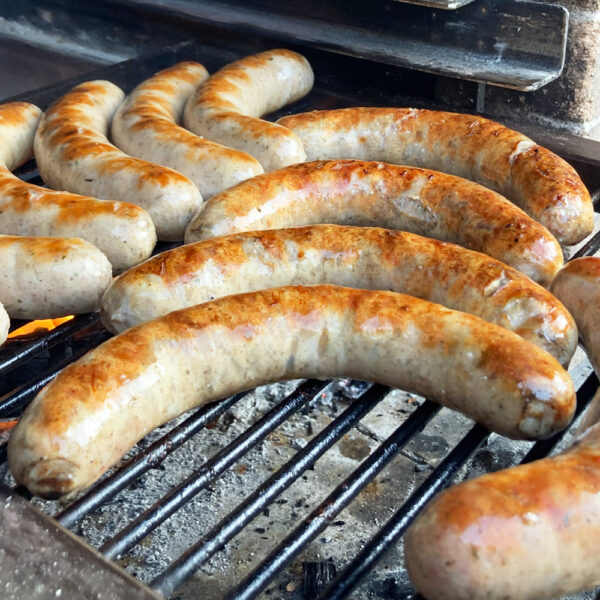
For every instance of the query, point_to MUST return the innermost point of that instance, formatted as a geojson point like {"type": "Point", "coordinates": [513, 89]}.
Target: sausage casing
{"type": "Point", "coordinates": [226, 107]}
{"type": "Point", "coordinates": [145, 125]}
{"type": "Point", "coordinates": [529, 532]}
{"type": "Point", "coordinates": [73, 153]}
{"type": "Point", "coordinates": [362, 257]}
{"type": "Point", "coordinates": [534, 178]}
{"type": "Point", "coordinates": [99, 406]}
{"type": "Point", "coordinates": [4, 324]}
{"type": "Point", "coordinates": [352, 192]}
{"type": "Point", "coordinates": [122, 231]}
{"type": "Point", "coordinates": [51, 277]}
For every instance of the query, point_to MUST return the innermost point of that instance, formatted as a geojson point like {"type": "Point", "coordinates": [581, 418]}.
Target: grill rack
{"type": "Point", "coordinates": [89, 333]}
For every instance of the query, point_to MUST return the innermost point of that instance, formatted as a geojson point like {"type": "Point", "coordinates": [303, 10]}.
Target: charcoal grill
{"type": "Point", "coordinates": [28, 364]}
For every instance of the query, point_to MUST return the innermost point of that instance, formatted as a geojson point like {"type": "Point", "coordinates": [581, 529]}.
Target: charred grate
{"type": "Point", "coordinates": [25, 366]}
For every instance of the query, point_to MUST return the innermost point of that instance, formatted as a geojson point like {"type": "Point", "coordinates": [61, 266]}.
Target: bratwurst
{"type": "Point", "coordinates": [73, 153]}
{"type": "Point", "coordinates": [4, 324]}
{"type": "Point", "coordinates": [535, 179]}
{"type": "Point", "coordinates": [226, 107]}
{"type": "Point", "coordinates": [530, 532]}
{"type": "Point", "coordinates": [354, 192]}
{"type": "Point", "coordinates": [99, 406]}
{"type": "Point", "coordinates": [362, 257]}
{"type": "Point", "coordinates": [44, 278]}
{"type": "Point", "coordinates": [122, 231]}
{"type": "Point", "coordinates": [145, 125]}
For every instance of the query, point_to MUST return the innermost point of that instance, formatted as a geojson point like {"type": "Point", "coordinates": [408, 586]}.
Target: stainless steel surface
{"type": "Point", "coordinates": [512, 43]}
{"type": "Point", "coordinates": [41, 560]}
{"type": "Point", "coordinates": [445, 4]}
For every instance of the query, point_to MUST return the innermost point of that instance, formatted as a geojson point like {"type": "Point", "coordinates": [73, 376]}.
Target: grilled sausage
{"type": "Point", "coordinates": [99, 406]}
{"type": "Point", "coordinates": [578, 286]}
{"type": "Point", "coordinates": [145, 126]}
{"type": "Point", "coordinates": [526, 533]}
{"type": "Point", "coordinates": [537, 180]}
{"type": "Point", "coordinates": [377, 194]}
{"type": "Point", "coordinates": [73, 153]}
{"type": "Point", "coordinates": [226, 108]}
{"type": "Point", "coordinates": [352, 256]}
{"type": "Point", "coordinates": [51, 277]}
{"type": "Point", "coordinates": [529, 532]}
{"type": "Point", "coordinates": [4, 324]}
{"type": "Point", "coordinates": [122, 231]}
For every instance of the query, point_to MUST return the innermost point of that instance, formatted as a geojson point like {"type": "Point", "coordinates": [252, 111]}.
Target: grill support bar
{"type": "Point", "coordinates": [151, 518]}
{"type": "Point", "coordinates": [343, 494]}
{"type": "Point", "coordinates": [200, 552]}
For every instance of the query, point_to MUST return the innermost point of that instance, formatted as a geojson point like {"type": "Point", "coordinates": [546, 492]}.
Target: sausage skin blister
{"type": "Point", "coordinates": [73, 153]}
{"type": "Point", "coordinates": [122, 231]}
{"type": "Point", "coordinates": [360, 257]}
{"type": "Point", "coordinates": [145, 125]}
{"type": "Point", "coordinates": [537, 180]}
{"type": "Point", "coordinates": [99, 406]}
{"type": "Point", "coordinates": [51, 277]}
{"type": "Point", "coordinates": [530, 532]}
{"type": "Point", "coordinates": [4, 324]}
{"type": "Point", "coordinates": [366, 193]}
{"type": "Point", "coordinates": [227, 107]}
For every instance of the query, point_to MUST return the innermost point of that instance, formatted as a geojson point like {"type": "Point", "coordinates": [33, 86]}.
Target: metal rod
{"type": "Point", "coordinates": [343, 494]}
{"type": "Point", "coordinates": [27, 350]}
{"type": "Point", "coordinates": [236, 520]}
{"type": "Point", "coordinates": [151, 518]}
{"type": "Point", "coordinates": [13, 403]}
{"type": "Point", "coordinates": [398, 524]}
{"type": "Point", "coordinates": [145, 460]}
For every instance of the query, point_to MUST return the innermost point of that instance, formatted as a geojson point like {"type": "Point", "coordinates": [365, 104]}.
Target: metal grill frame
{"type": "Point", "coordinates": [87, 326]}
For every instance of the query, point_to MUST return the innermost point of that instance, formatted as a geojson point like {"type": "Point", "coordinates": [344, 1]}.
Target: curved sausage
{"type": "Point", "coordinates": [226, 108]}
{"type": "Point", "coordinates": [73, 153]}
{"type": "Point", "coordinates": [351, 192]}
{"type": "Point", "coordinates": [577, 285]}
{"type": "Point", "coordinates": [526, 533]}
{"type": "Point", "coordinates": [4, 324]}
{"type": "Point", "coordinates": [99, 406]}
{"type": "Point", "coordinates": [44, 278]}
{"type": "Point", "coordinates": [145, 125]}
{"type": "Point", "coordinates": [537, 180]}
{"type": "Point", "coordinates": [359, 257]}
{"type": "Point", "coordinates": [122, 231]}
{"type": "Point", "coordinates": [530, 532]}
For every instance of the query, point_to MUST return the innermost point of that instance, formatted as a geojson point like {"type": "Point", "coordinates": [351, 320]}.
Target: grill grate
{"type": "Point", "coordinates": [64, 344]}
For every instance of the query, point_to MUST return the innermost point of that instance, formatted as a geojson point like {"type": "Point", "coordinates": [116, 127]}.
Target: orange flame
{"type": "Point", "coordinates": [41, 326]}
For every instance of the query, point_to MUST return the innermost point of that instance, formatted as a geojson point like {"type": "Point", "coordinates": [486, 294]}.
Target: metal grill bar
{"type": "Point", "coordinates": [27, 350]}
{"type": "Point", "coordinates": [151, 518]}
{"type": "Point", "coordinates": [200, 552]}
{"type": "Point", "coordinates": [15, 402]}
{"type": "Point", "coordinates": [343, 494]}
{"type": "Point", "coordinates": [144, 461]}
{"type": "Point", "coordinates": [398, 524]}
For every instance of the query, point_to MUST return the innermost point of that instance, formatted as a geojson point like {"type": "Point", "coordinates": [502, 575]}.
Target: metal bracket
{"type": "Point", "coordinates": [444, 4]}
{"type": "Point", "coordinates": [511, 43]}
{"type": "Point", "coordinates": [40, 560]}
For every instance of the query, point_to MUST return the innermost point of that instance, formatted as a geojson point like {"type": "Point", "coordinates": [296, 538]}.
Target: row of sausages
{"type": "Point", "coordinates": [228, 333]}
{"type": "Point", "coordinates": [142, 200]}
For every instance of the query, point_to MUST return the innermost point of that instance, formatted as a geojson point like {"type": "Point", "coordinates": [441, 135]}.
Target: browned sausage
{"type": "Point", "coordinates": [366, 193]}
{"type": "Point", "coordinates": [226, 108]}
{"type": "Point", "coordinates": [122, 231]}
{"type": "Point", "coordinates": [98, 407]}
{"type": "Point", "coordinates": [530, 532]}
{"type": "Point", "coordinates": [362, 257]}
{"type": "Point", "coordinates": [537, 180]}
{"type": "Point", "coordinates": [145, 125]}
